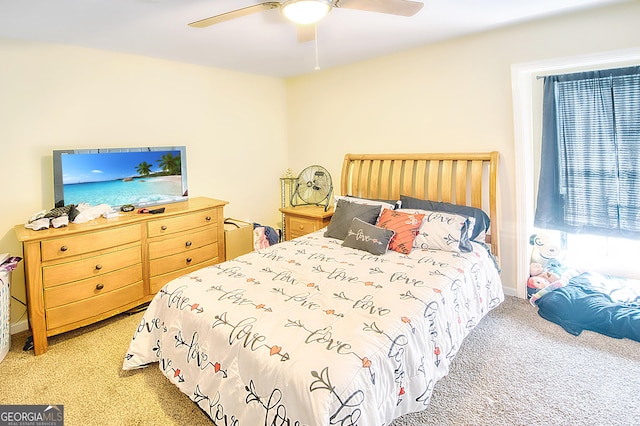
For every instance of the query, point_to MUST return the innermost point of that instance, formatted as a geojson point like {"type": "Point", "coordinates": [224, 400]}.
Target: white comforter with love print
{"type": "Point", "coordinates": [308, 332]}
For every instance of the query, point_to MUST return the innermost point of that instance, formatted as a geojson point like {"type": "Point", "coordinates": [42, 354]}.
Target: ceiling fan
{"type": "Point", "coordinates": [307, 12]}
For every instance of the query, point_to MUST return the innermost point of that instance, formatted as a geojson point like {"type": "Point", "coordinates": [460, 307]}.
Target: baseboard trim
{"type": "Point", "coordinates": [19, 327]}
{"type": "Point", "coordinates": [510, 291]}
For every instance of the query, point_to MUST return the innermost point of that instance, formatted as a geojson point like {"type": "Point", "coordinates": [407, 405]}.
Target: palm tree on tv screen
{"type": "Point", "coordinates": [144, 169]}
{"type": "Point", "coordinates": [170, 164]}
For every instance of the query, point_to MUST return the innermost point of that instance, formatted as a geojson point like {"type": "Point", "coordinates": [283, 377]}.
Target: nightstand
{"type": "Point", "coordinates": [302, 220]}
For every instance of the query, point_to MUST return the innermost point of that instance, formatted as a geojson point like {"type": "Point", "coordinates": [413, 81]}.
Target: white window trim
{"type": "Point", "coordinates": [523, 77]}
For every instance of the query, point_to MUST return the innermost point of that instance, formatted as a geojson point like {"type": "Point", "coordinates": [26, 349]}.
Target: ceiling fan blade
{"type": "Point", "coordinates": [392, 7]}
{"type": "Point", "coordinates": [238, 13]}
{"type": "Point", "coordinates": [306, 33]}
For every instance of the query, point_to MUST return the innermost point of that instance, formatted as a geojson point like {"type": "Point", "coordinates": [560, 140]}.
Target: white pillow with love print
{"type": "Point", "coordinates": [442, 231]}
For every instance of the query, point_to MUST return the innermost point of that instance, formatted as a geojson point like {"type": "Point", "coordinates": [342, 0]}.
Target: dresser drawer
{"type": "Point", "coordinates": [170, 225]}
{"type": "Point", "coordinates": [90, 267]}
{"type": "Point", "coordinates": [91, 287]}
{"type": "Point", "coordinates": [74, 245]}
{"type": "Point", "coordinates": [179, 261]}
{"type": "Point", "coordinates": [299, 226]}
{"type": "Point", "coordinates": [93, 306]}
{"type": "Point", "coordinates": [158, 281]}
{"type": "Point", "coordinates": [182, 242]}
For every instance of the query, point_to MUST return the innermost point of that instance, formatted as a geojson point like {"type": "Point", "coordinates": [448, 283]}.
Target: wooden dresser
{"type": "Point", "coordinates": [87, 272]}
{"type": "Point", "coordinates": [302, 220]}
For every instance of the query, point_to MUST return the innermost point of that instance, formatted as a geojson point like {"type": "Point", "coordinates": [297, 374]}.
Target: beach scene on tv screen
{"type": "Point", "coordinates": [118, 178]}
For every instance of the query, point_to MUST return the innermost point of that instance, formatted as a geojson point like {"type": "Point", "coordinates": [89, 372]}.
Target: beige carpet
{"type": "Point", "coordinates": [514, 369]}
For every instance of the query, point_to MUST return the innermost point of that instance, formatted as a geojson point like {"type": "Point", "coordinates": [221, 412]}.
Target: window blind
{"type": "Point", "coordinates": [590, 168]}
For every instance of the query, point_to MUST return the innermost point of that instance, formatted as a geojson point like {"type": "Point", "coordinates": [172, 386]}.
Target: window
{"type": "Point", "coordinates": [589, 186]}
{"type": "Point", "coordinates": [590, 173]}
{"type": "Point", "coordinates": [606, 255]}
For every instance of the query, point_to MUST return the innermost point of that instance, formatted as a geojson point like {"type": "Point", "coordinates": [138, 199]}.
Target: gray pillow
{"type": "Point", "coordinates": [344, 214]}
{"type": "Point", "coordinates": [364, 236]}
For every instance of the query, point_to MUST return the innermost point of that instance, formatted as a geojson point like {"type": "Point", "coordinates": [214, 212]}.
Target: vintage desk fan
{"type": "Point", "coordinates": [312, 187]}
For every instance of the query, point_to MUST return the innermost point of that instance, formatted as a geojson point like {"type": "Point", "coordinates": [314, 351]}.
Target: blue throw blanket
{"type": "Point", "coordinates": [609, 306]}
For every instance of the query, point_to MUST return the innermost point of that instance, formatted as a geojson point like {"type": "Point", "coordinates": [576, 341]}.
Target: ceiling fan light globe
{"type": "Point", "coordinates": [305, 12]}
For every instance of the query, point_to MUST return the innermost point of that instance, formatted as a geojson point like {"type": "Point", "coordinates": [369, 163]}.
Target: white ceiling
{"type": "Point", "coordinates": [263, 43]}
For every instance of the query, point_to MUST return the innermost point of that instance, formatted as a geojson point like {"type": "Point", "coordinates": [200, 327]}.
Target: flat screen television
{"type": "Point", "coordinates": [143, 176]}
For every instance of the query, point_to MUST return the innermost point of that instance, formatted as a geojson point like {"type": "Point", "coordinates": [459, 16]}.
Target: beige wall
{"type": "Point", "coordinates": [54, 97]}
{"type": "Point", "coordinates": [243, 131]}
{"type": "Point", "coordinates": [452, 96]}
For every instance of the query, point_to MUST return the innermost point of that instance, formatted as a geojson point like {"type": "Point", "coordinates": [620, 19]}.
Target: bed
{"type": "Point", "coordinates": [332, 328]}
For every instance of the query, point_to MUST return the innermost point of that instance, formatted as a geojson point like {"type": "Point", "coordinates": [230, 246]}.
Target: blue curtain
{"type": "Point", "coordinates": [590, 158]}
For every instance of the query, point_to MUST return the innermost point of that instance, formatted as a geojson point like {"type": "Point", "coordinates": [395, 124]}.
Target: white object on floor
{"type": "Point", "coordinates": [5, 311]}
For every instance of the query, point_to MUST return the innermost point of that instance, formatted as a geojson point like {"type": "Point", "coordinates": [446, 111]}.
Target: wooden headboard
{"type": "Point", "coordinates": [463, 178]}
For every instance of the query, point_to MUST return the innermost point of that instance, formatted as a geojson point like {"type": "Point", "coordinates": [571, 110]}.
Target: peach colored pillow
{"type": "Point", "coordinates": [405, 226]}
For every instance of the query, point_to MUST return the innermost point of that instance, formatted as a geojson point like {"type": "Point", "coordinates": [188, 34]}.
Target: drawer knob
{"type": "Point", "coordinates": [189, 260]}
{"type": "Point", "coordinates": [163, 227]}
{"type": "Point", "coordinates": [301, 227]}
{"type": "Point", "coordinates": [188, 243]}
{"type": "Point", "coordinates": [98, 267]}
{"type": "Point", "coordinates": [64, 248]}
{"type": "Point", "coordinates": [208, 218]}
{"type": "Point", "coordinates": [99, 286]}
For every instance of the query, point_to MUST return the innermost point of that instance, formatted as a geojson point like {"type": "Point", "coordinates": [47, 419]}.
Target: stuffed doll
{"type": "Point", "coordinates": [544, 250]}
{"type": "Point", "coordinates": [545, 267]}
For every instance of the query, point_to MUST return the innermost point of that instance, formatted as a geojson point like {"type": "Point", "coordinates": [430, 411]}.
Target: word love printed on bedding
{"type": "Point", "coordinates": [448, 219]}
{"type": "Point", "coordinates": [361, 236]}
{"type": "Point", "coordinates": [314, 332]}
